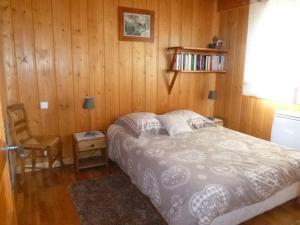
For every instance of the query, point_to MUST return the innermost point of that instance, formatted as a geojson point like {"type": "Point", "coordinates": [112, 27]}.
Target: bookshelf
{"type": "Point", "coordinates": [195, 60]}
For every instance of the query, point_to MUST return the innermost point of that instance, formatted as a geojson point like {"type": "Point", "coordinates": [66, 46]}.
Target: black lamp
{"type": "Point", "coordinates": [212, 95]}
{"type": "Point", "coordinates": [88, 104]}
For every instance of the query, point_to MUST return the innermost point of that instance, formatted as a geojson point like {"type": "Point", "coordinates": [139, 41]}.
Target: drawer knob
{"type": "Point", "coordinates": [92, 145]}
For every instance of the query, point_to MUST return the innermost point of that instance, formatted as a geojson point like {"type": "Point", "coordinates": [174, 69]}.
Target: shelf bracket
{"type": "Point", "coordinates": [173, 81]}
{"type": "Point", "coordinates": [173, 61]}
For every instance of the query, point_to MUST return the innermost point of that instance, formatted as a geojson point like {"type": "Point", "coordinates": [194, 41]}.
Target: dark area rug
{"type": "Point", "coordinates": [113, 200]}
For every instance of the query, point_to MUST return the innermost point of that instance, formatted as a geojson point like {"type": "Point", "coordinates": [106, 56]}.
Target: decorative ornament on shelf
{"type": "Point", "coordinates": [217, 43]}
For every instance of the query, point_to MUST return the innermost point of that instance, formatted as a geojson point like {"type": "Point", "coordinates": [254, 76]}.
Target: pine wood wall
{"type": "Point", "coordinates": [246, 114]}
{"type": "Point", "coordinates": [62, 50]}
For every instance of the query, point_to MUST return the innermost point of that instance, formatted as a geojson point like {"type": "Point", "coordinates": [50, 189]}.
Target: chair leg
{"type": "Point", "coordinates": [60, 148]}
{"type": "Point", "coordinates": [61, 160]}
{"type": "Point", "coordinates": [49, 158]}
{"type": "Point", "coordinates": [22, 164]}
{"type": "Point", "coordinates": [33, 158]}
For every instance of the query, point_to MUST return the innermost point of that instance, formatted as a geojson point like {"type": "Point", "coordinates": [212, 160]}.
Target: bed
{"type": "Point", "coordinates": [210, 176]}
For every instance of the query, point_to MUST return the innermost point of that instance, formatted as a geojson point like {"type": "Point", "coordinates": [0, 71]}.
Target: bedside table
{"type": "Point", "coordinates": [92, 145]}
{"type": "Point", "coordinates": [216, 121]}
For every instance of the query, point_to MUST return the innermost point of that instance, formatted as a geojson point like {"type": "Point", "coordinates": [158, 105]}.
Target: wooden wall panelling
{"type": "Point", "coordinates": [202, 33]}
{"type": "Point", "coordinates": [175, 40]}
{"type": "Point", "coordinates": [63, 71]}
{"type": "Point", "coordinates": [209, 9]}
{"type": "Point", "coordinates": [230, 43]}
{"type": "Point", "coordinates": [9, 59]}
{"type": "Point", "coordinates": [79, 32]}
{"type": "Point", "coordinates": [268, 119]}
{"type": "Point", "coordinates": [44, 54]}
{"type": "Point", "coordinates": [163, 43]}
{"type": "Point", "coordinates": [152, 61]}
{"type": "Point", "coordinates": [238, 68]}
{"type": "Point", "coordinates": [219, 109]}
{"type": "Point", "coordinates": [196, 80]}
{"type": "Point", "coordinates": [61, 50]}
{"type": "Point", "coordinates": [258, 115]}
{"type": "Point", "coordinates": [112, 88]}
{"type": "Point", "coordinates": [139, 69]}
{"type": "Point", "coordinates": [246, 114]}
{"type": "Point", "coordinates": [125, 71]}
{"type": "Point", "coordinates": [96, 61]}
{"type": "Point", "coordinates": [186, 40]}
{"type": "Point", "coordinates": [26, 64]}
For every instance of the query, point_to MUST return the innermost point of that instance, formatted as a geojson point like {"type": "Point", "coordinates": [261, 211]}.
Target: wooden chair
{"type": "Point", "coordinates": [34, 146]}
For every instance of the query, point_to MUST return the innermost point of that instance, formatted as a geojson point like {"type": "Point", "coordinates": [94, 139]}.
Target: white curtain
{"type": "Point", "coordinates": [272, 68]}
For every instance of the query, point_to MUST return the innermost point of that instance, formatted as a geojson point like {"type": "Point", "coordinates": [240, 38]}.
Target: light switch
{"type": "Point", "coordinates": [44, 105]}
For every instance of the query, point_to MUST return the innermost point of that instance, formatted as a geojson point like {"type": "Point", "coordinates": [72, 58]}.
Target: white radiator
{"type": "Point", "coordinates": [286, 129]}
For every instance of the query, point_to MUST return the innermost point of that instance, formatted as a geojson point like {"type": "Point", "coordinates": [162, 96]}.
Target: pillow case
{"type": "Point", "coordinates": [193, 119]}
{"type": "Point", "coordinates": [174, 124]}
{"type": "Point", "coordinates": [140, 123]}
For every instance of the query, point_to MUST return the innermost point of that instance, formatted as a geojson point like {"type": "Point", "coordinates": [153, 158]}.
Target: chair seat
{"type": "Point", "coordinates": [41, 142]}
{"type": "Point", "coordinates": [48, 141]}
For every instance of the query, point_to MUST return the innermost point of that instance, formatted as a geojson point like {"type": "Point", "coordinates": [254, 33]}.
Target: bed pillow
{"type": "Point", "coordinates": [140, 123]}
{"type": "Point", "coordinates": [174, 124]}
{"type": "Point", "coordinates": [193, 119]}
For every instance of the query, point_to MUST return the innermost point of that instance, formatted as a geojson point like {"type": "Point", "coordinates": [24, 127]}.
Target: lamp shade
{"type": "Point", "coordinates": [212, 95]}
{"type": "Point", "coordinates": [88, 103]}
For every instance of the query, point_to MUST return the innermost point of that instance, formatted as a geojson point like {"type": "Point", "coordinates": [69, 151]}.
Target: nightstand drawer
{"type": "Point", "coordinates": [93, 144]}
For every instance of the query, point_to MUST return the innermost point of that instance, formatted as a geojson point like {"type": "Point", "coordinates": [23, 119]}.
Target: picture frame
{"type": "Point", "coordinates": [136, 24]}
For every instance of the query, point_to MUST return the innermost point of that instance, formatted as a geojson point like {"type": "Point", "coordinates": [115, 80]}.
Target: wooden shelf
{"type": "Point", "coordinates": [179, 49]}
{"type": "Point", "coordinates": [197, 71]}
{"type": "Point", "coordinates": [191, 49]}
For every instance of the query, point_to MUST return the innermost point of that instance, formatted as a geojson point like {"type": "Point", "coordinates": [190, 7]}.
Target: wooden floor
{"type": "Point", "coordinates": [44, 199]}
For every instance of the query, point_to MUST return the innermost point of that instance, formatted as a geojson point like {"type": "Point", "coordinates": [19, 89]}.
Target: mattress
{"type": "Point", "coordinates": [208, 176]}
{"type": "Point", "coordinates": [243, 214]}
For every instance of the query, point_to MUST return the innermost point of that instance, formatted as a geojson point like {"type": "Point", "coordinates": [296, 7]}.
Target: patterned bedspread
{"type": "Point", "coordinates": [195, 177]}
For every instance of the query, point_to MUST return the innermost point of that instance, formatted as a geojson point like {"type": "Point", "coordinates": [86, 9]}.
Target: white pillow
{"type": "Point", "coordinates": [193, 119]}
{"type": "Point", "coordinates": [174, 124]}
{"type": "Point", "coordinates": [140, 123]}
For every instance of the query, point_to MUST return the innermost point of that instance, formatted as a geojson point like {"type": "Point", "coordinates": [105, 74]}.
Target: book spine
{"type": "Point", "coordinates": [192, 61]}
{"type": "Point", "coordinates": [182, 61]}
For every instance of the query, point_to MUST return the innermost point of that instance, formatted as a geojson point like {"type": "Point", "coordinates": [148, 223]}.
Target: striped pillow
{"type": "Point", "coordinates": [194, 120]}
{"type": "Point", "coordinates": [140, 123]}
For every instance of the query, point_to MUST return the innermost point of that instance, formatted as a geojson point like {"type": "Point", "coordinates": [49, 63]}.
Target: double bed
{"type": "Point", "coordinates": [210, 176]}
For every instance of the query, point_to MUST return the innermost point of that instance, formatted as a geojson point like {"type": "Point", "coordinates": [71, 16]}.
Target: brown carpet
{"type": "Point", "coordinates": [113, 200]}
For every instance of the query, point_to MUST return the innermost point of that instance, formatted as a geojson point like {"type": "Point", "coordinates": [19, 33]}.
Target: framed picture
{"type": "Point", "coordinates": [136, 24]}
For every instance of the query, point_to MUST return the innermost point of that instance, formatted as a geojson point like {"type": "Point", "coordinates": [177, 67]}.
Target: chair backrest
{"type": "Point", "coordinates": [19, 124]}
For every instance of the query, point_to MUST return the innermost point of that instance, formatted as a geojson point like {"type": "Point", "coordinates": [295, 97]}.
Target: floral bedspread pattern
{"type": "Point", "coordinates": [195, 177]}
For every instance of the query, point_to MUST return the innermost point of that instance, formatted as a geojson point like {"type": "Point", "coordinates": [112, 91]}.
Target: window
{"type": "Point", "coordinates": [272, 68]}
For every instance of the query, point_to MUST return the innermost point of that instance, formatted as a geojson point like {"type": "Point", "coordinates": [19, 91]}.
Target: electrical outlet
{"type": "Point", "coordinates": [44, 105]}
